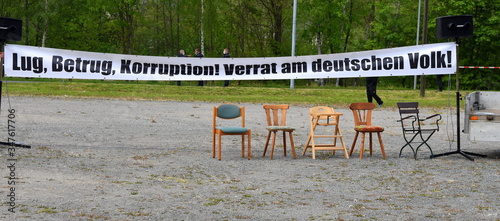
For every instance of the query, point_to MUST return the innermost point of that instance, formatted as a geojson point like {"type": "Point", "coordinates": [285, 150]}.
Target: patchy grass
{"type": "Point", "coordinates": [164, 91]}
{"type": "Point", "coordinates": [48, 210]}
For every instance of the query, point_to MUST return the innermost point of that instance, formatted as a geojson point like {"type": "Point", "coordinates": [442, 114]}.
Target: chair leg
{"type": "Point", "coordinates": [354, 143]}
{"type": "Point", "coordinates": [313, 148]}
{"type": "Point", "coordinates": [267, 143]}
{"type": "Point", "coordinates": [213, 145]}
{"type": "Point", "coordinates": [371, 144]}
{"type": "Point", "coordinates": [242, 145]}
{"type": "Point", "coordinates": [284, 143]}
{"type": "Point", "coordinates": [381, 145]}
{"type": "Point", "coordinates": [408, 143]}
{"type": "Point", "coordinates": [293, 146]}
{"type": "Point", "coordinates": [429, 148]}
{"type": "Point", "coordinates": [343, 144]}
{"type": "Point", "coordinates": [272, 146]}
{"type": "Point", "coordinates": [220, 147]}
{"type": "Point", "coordinates": [307, 145]}
{"type": "Point", "coordinates": [341, 138]}
{"type": "Point", "coordinates": [336, 133]}
{"type": "Point", "coordinates": [362, 146]}
{"type": "Point", "coordinates": [424, 141]}
{"type": "Point", "coordinates": [249, 145]}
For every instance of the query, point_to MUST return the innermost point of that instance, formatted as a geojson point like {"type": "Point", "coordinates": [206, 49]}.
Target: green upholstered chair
{"type": "Point", "coordinates": [363, 124]}
{"type": "Point", "coordinates": [229, 112]}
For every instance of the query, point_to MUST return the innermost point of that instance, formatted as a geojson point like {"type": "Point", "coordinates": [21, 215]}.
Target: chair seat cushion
{"type": "Point", "coordinates": [369, 128]}
{"type": "Point", "coordinates": [279, 128]}
{"type": "Point", "coordinates": [232, 129]}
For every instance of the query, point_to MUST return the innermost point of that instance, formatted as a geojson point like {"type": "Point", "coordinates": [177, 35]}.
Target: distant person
{"type": "Point", "coordinates": [226, 55]}
{"type": "Point", "coordinates": [371, 90]}
{"type": "Point", "coordinates": [439, 81]}
{"type": "Point", "coordinates": [198, 54]}
{"type": "Point", "coordinates": [181, 54]}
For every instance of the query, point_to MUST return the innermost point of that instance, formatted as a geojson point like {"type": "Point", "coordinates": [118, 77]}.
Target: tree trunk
{"type": "Point", "coordinates": [424, 41]}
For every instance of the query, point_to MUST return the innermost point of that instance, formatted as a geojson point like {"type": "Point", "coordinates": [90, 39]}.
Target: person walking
{"type": "Point", "coordinates": [225, 54]}
{"type": "Point", "coordinates": [371, 90]}
{"type": "Point", "coordinates": [181, 54]}
{"type": "Point", "coordinates": [198, 54]}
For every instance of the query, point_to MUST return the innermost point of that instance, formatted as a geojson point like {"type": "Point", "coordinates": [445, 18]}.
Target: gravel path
{"type": "Point", "coordinates": [99, 159]}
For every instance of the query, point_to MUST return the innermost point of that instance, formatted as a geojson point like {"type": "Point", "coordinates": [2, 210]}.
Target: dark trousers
{"type": "Point", "coordinates": [439, 81]}
{"type": "Point", "coordinates": [371, 90]}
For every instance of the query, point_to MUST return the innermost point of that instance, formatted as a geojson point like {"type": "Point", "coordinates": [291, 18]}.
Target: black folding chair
{"type": "Point", "coordinates": [416, 130]}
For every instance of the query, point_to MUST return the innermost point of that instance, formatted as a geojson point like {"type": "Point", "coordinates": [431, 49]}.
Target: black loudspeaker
{"type": "Point", "coordinates": [10, 29]}
{"type": "Point", "coordinates": [459, 26]}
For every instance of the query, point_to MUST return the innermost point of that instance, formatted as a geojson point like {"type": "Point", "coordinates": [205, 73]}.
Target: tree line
{"type": "Point", "coordinates": [261, 28]}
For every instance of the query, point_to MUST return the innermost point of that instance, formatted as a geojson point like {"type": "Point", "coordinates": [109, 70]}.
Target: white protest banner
{"type": "Point", "coordinates": [38, 62]}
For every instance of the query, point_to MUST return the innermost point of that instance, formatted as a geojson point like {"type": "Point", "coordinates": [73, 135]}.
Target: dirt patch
{"type": "Point", "coordinates": [98, 159]}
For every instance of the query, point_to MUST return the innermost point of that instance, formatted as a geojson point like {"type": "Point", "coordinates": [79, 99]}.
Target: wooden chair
{"type": "Point", "coordinates": [324, 116]}
{"type": "Point", "coordinates": [416, 129]}
{"type": "Point", "coordinates": [275, 124]}
{"type": "Point", "coordinates": [363, 124]}
{"type": "Point", "coordinates": [227, 112]}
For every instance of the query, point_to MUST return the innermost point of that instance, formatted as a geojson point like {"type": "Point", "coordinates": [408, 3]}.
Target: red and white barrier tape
{"type": "Point", "coordinates": [478, 67]}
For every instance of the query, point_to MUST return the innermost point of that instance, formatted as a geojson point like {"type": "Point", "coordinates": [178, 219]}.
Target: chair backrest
{"type": "Point", "coordinates": [229, 111]}
{"type": "Point", "coordinates": [273, 113]}
{"type": "Point", "coordinates": [362, 113]}
{"type": "Point", "coordinates": [408, 111]}
{"type": "Point", "coordinates": [411, 121]}
{"type": "Point", "coordinates": [408, 108]}
{"type": "Point", "coordinates": [324, 110]}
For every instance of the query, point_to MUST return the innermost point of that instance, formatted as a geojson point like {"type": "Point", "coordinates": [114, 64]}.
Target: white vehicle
{"type": "Point", "coordinates": [482, 116]}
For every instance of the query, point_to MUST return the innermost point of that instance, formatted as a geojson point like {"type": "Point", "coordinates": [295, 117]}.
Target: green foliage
{"type": "Point", "coordinates": [259, 28]}
{"type": "Point", "coordinates": [482, 49]}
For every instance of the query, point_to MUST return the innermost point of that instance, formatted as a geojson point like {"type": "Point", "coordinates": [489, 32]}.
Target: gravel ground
{"type": "Point", "coordinates": [99, 159]}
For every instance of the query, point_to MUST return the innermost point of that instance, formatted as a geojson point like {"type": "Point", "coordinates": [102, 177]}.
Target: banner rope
{"type": "Point", "coordinates": [485, 67]}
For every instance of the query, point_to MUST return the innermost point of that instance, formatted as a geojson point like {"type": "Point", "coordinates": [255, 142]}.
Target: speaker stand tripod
{"type": "Point", "coordinates": [458, 151]}
{"type": "Point", "coordinates": [12, 144]}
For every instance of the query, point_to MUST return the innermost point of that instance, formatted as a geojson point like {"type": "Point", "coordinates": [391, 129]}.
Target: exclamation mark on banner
{"type": "Point", "coordinates": [216, 69]}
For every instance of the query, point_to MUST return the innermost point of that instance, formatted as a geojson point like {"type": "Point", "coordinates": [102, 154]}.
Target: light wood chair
{"type": "Point", "coordinates": [276, 123]}
{"type": "Point", "coordinates": [228, 112]}
{"type": "Point", "coordinates": [363, 124]}
{"type": "Point", "coordinates": [324, 116]}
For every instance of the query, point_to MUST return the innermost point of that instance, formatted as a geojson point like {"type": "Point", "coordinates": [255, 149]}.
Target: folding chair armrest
{"type": "Point", "coordinates": [404, 118]}
{"type": "Point", "coordinates": [412, 117]}
{"type": "Point", "coordinates": [435, 115]}
{"type": "Point", "coordinates": [436, 120]}
{"type": "Point", "coordinates": [429, 117]}
{"type": "Point", "coordinates": [413, 120]}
